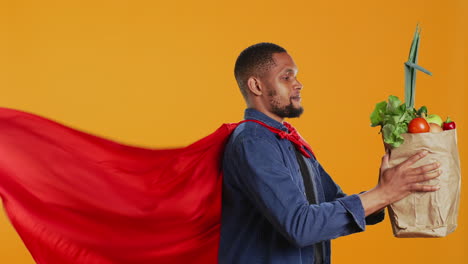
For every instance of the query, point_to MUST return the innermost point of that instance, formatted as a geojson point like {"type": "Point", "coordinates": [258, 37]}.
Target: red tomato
{"type": "Point", "coordinates": [418, 125]}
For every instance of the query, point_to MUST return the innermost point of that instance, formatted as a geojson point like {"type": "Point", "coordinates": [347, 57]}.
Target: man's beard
{"type": "Point", "coordinates": [288, 111]}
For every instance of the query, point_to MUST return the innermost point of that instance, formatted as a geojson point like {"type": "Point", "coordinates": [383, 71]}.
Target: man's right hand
{"type": "Point", "coordinates": [398, 182]}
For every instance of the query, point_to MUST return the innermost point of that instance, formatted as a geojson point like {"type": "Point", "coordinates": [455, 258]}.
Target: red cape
{"type": "Point", "coordinates": [75, 198]}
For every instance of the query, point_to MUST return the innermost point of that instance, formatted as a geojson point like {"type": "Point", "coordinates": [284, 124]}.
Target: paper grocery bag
{"type": "Point", "coordinates": [429, 214]}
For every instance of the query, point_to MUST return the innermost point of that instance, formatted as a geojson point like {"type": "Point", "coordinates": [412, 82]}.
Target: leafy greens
{"type": "Point", "coordinates": [393, 117]}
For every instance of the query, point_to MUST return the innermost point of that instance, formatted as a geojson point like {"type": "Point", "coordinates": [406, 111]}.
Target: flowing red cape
{"type": "Point", "coordinates": [75, 198]}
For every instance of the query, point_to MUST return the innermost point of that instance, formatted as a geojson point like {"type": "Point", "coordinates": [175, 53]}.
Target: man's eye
{"type": "Point", "coordinates": [286, 78]}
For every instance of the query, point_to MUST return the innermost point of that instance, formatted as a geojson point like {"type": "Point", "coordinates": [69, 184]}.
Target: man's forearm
{"type": "Point", "coordinates": [373, 201]}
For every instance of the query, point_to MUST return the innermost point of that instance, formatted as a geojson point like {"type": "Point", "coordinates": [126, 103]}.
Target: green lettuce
{"type": "Point", "coordinates": [393, 117]}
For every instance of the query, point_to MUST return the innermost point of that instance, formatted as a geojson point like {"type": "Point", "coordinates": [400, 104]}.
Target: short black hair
{"type": "Point", "coordinates": [254, 61]}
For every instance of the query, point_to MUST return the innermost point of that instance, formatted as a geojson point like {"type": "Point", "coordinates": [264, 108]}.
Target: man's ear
{"type": "Point", "coordinates": [254, 86]}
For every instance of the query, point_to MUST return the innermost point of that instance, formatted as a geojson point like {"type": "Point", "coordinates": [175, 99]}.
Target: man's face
{"type": "Point", "coordinates": [283, 97]}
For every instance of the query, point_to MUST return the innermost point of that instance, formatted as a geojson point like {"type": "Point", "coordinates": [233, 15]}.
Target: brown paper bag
{"type": "Point", "coordinates": [432, 214]}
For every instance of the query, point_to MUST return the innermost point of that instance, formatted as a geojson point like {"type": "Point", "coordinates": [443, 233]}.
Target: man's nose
{"type": "Point", "coordinates": [298, 85]}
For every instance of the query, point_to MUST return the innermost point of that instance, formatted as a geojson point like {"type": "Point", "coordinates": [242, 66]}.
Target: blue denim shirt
{"type": "Point", "coordinates": [266, 217]}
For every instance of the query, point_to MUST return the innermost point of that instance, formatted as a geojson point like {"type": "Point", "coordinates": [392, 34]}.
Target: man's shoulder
{"type": "Point", "coordinates": [251, 141]}
{"type": "Point", "coordinates": [251, 131]}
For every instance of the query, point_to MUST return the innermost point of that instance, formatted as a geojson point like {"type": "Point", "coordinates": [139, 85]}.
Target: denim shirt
{"type": "Point", "coordinates": [266, 217]}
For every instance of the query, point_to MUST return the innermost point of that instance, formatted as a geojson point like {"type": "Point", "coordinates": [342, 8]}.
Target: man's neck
{"type": "Point", "coordinates": [269, 114]}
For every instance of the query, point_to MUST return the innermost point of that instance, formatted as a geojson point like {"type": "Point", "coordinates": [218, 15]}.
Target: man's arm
{"type": "Point", "coordinates": [268, 184]}
{"type": "Point", "coordinates": [372, 219]}
{"type": "Point", "coordinates": [398, 182]}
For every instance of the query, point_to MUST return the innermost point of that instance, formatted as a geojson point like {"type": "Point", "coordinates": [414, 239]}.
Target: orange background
{"type": "Point", "coordinates": [160, 74]}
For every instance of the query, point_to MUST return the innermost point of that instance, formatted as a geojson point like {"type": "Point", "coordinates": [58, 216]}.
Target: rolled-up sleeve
{"type": "Point", "coordinates": [267, 182]}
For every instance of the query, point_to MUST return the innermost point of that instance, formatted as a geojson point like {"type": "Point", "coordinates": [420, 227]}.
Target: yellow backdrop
{"type": "Point", "coordinates": [160, 74]}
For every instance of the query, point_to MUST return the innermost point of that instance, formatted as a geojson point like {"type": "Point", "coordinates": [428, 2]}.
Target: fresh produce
{"type": "Point", "coordinates": [418, 125]}
{"type": "Point", "coordinates": [393, 117]}
{"type": "Point", "coordinates": [435, 128]}
{"type": "Point", "coordinates": [422, 112]}
{"type": "Point", "coordinates": [397, 118]}
{"type": "Point", "coordinates": [449, 124]}
{"type": "Point", "coordinates": [434, 119]}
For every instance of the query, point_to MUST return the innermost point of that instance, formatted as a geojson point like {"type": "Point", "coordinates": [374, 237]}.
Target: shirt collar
{"type": "Point", "coordinates": [251, 113]}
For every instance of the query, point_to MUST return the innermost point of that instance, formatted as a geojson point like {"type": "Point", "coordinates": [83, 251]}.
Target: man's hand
{"type": "Point", "coordinates": [398, 182]}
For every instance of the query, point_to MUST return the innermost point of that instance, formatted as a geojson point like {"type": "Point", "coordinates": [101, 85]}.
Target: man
{"type": "Point", "coordinates": [279, 204]}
